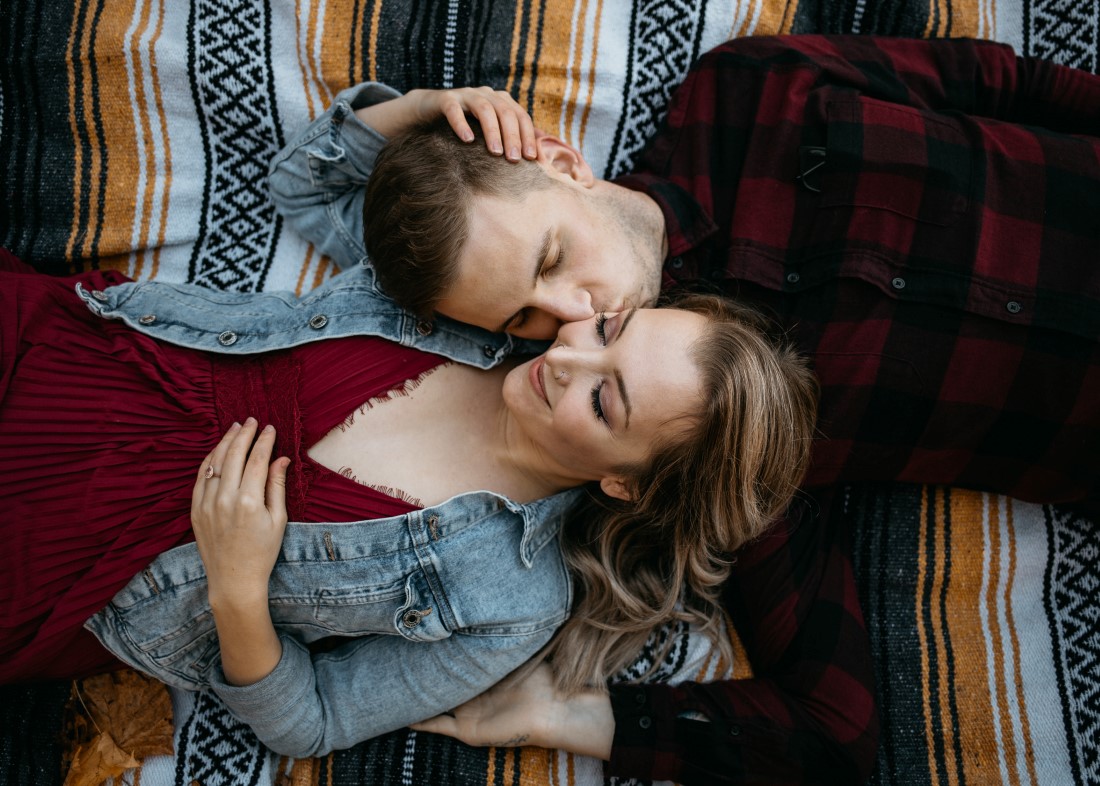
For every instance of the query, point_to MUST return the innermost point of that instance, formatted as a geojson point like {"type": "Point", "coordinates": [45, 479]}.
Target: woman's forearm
{"type": "Point", "coordinates": [250, 647]}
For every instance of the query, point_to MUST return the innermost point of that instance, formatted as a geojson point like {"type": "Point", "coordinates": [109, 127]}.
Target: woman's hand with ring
{"type": "Point", "coordinates": [238, 512]}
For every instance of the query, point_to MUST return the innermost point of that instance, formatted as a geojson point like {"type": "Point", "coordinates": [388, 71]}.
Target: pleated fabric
{"type": "Point", "coordinates": [102, 433]}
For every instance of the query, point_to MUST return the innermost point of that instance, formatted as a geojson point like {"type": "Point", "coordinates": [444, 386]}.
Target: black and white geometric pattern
{"type": "Point", "coordinates": [1072, 599]}
{"type": "Point", "coordinates": [664, 42]}
{"type": "Point", "coordinates": [229, 64]}
{"type": "Point", "coordinates": [671, 664]}
{"type": "Point", "coordinates": [1064, 32]}
{"type": "Point", "coordinates": [215, 749]}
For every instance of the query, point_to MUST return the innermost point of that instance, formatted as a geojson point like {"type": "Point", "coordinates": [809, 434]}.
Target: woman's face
{"type": "Point", "coordinates": [608, 388]}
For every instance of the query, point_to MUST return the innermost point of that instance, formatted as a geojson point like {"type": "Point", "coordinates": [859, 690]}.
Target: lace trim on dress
{"type": "Point", "coordinates": [404, 389]}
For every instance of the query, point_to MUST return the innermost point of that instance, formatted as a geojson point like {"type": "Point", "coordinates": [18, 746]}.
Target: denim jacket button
{"type": "Point", "coordinates": [318, 321]}
{"type": "Point", "coordinates": [147, 319]}
{"type": "Point", "coordinates": [227, 338]}
{"type": "Point", "coordinates": [412, 617]}
{"type": "Point", "coordinates": [488, 351]}
{"type": "Point", "coordinates": [100, 295]}
{"type": "Point", "coordinates": [424, 327]}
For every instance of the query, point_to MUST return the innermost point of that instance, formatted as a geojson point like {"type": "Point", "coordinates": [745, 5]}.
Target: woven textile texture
{"type": "Point", "coordinates": [136, 134]}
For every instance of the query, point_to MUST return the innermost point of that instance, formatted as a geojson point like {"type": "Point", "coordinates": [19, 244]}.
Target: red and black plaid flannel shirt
{"type": "Point", "coordinates": [922, 218]}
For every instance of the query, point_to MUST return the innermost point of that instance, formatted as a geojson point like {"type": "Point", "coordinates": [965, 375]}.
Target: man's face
{"type": "Point", "coordinates": [561, 254]}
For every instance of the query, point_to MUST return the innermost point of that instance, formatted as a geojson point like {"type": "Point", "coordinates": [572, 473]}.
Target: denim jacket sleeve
{"type": "Point", "coordinates": [295, 710]}
{"type": "Point", "coordinates": [317, 182]}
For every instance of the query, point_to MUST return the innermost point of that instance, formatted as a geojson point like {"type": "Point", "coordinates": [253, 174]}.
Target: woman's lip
{"type": "Point", "coordinates": [534, 374]}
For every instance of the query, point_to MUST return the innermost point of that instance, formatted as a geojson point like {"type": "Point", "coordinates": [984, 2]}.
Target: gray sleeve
{"type": "Point", "coordinates": [310, 705]}
{"type": "Point", "coordinates": [317, 181]}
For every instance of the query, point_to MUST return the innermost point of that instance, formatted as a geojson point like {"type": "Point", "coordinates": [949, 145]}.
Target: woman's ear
{"type": "Point", "coordinates": [563, 160]}
{"type": "Point", "coordinates": [616, 486]}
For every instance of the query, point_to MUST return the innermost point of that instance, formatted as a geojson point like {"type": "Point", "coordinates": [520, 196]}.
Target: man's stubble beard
{"type": "Point", "coordinates": [642, 225]}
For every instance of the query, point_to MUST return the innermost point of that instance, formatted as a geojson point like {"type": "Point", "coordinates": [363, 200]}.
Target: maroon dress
{"type": "Point", "coordinates": [102, 432]}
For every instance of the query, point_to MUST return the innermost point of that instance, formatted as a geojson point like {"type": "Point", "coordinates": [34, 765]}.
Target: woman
{"type": "Point", "coordinates": [112, 443]}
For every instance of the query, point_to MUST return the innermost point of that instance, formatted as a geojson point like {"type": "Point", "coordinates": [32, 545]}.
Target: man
{"type": "Point", "coordinates": [890, 205]}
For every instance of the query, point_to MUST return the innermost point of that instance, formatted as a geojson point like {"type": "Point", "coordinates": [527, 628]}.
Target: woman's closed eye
{"type": "Point", "coordinates": [601, 322]}
{"type": "Point", "coordinates": [597, 405]}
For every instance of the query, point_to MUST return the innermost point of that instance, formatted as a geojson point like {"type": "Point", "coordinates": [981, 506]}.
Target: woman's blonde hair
{"type": "Point", "coordinates": [716, 485]}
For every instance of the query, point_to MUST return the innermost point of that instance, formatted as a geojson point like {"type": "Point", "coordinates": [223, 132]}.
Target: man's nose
{"type": "Point", "coordinates": [569, 304]}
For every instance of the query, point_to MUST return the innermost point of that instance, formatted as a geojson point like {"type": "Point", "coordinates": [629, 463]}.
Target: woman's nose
{"type": "Point", "coordinates": [560, 362]}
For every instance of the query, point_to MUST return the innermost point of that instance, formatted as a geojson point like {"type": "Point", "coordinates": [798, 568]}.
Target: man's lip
{"type": "Point", "coordinates": [534, 374]}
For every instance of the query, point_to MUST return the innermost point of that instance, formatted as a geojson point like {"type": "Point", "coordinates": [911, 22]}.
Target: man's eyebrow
{"type": "Point", "coordinates": [619, 374]}
{"type": "Point", "coordinates": [540, 260]}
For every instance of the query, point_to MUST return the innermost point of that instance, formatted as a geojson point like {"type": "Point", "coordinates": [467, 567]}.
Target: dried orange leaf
{"type": "Point", "coordinates": [134, 709]}
{"type": "Point", "coordinates": [97, 761]}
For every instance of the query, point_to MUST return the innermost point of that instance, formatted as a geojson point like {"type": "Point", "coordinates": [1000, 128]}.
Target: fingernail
{"type": "Point", "coordinates": [497, 149]}
{"type": "Point", "coordinates": [250, 421]}
{"type": "Point", "coordinates": [236, 425]}
{"type": "Point", "coordinates": [514, 154]}
{"type": "Point", "coordinates": [467, 136]}
{"type": "Point", "coordinates": [268, 428]}
{"type": "Point", "coordinates": [530, 152]}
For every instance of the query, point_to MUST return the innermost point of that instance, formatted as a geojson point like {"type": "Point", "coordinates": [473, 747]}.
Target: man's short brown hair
{"type": "Point", "coordinates": [417, 202]}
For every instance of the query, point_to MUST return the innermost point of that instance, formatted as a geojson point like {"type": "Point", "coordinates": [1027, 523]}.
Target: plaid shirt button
{"type": "Point", "coordinates": [898, 283]}
{"type": "Point", "coordinates": [1014, 307]}
{"type": "Point", "coordinates": [645, 722]}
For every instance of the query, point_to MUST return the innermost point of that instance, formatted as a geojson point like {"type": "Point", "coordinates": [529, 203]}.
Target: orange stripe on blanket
{"type": "Point", "coordinates": [975, 564]}
{"type": "Point", "coordinates": [775, 18]}
{"type": "Point", "coordinates": [166, 144]}
{"type": "Point", "coordinates": [931, 633]}
{"type": "Point", "coordinates": [550, 42]}
{"type": "Point", "coordinates": [148, 163]}
{"type": "Point", "coordinates": [590, 97]}
{"type": "Point", "coordinates": [572, 93]}
{"type": "Point", "coordinates": [116, 165]}
{"type": "Point", "coordinates": [338, 56]}
{"type": "Point", "coordinates": [76, 57]}
{"type": "Point", "coordinates": [376, 14]}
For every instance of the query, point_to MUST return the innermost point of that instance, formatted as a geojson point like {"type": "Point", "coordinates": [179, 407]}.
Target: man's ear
{"type": "Point", "coordinates": [563, 160]}
{"type": "Point", "coordinates": [618, 487]}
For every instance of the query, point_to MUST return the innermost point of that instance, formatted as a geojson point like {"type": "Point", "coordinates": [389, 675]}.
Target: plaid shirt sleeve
{"type": "Point", "coordinates": [808, 714]}
{"type": "Point", "coordinates": [979, 78]}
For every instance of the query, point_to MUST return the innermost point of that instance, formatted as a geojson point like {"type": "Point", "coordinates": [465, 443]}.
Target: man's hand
{"type": "Point", "coordinates": [530, 711]}
{"type": "Point", "coordinates": [507, 127]}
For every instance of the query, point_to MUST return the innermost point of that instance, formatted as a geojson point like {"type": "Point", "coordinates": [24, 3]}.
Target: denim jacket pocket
{"type": "Point", "coordinates": [351, 611]}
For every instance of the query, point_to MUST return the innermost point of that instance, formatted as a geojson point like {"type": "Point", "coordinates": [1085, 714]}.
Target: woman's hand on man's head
{"type": "Point", "coordinates": [506, 126]}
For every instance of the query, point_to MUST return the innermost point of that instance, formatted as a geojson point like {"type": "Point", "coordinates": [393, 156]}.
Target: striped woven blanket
{"type": "Point", "coordinates": [135, 135]}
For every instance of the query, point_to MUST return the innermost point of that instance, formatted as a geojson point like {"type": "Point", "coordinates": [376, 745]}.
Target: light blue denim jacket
{"type": "Point", "coordinates": [318, 181]}
{"type": "Point", "coordinates": [480, 578]}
